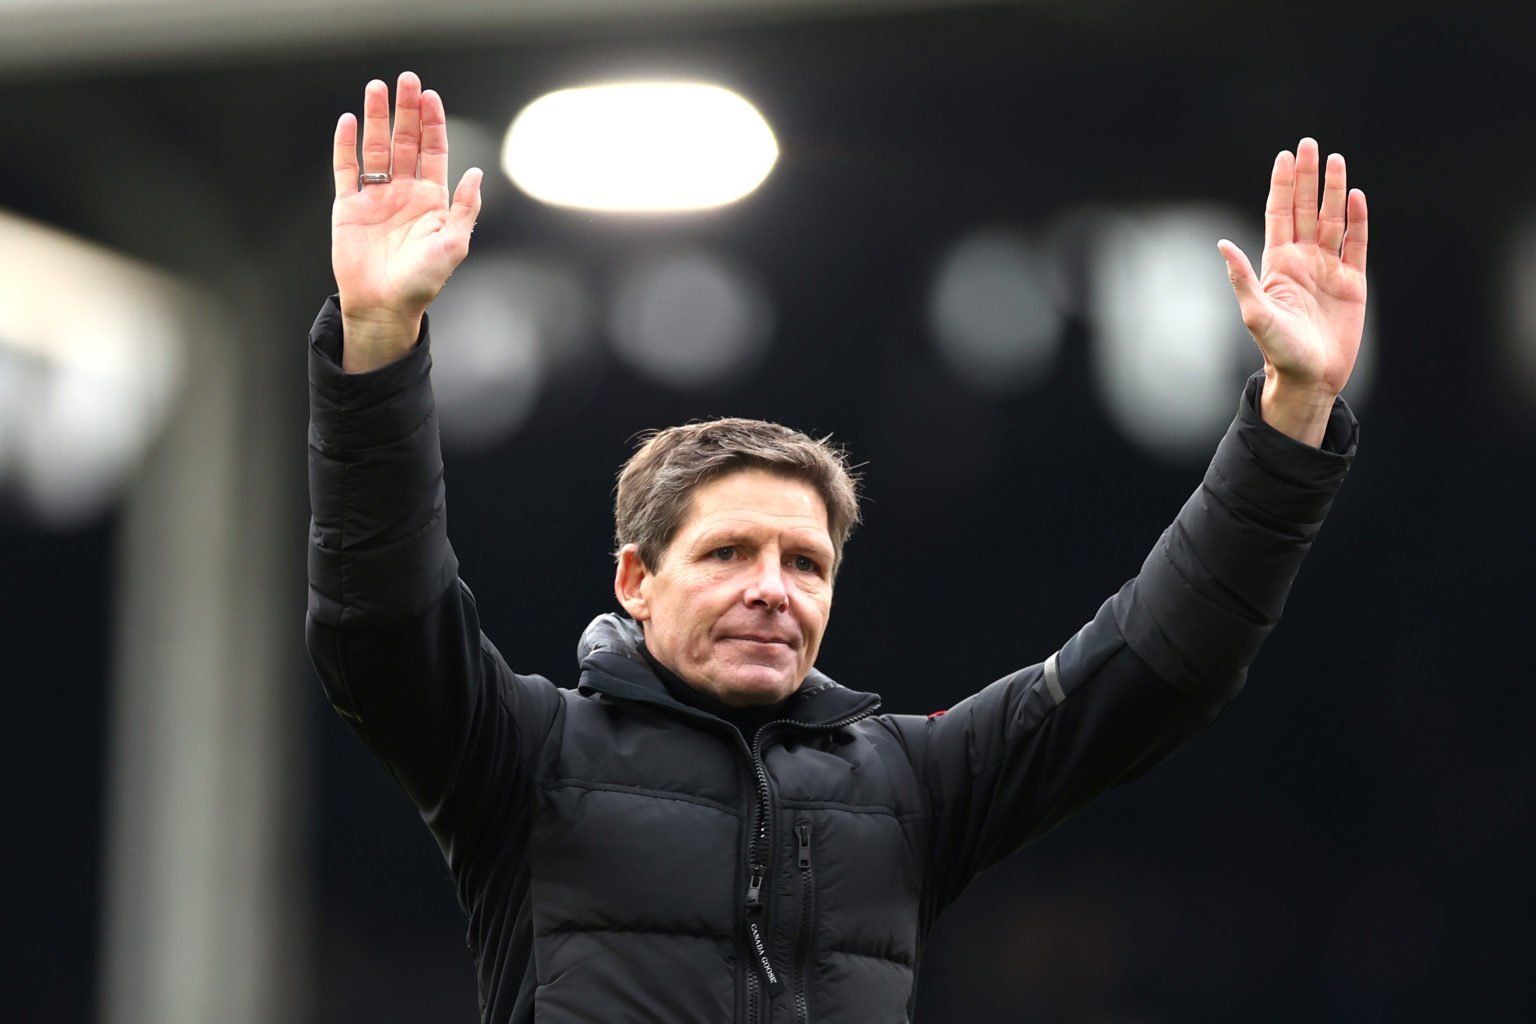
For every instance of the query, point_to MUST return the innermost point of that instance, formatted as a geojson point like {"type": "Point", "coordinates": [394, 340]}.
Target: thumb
{"type": "Point", "coordinates": [461, 216]}
{"type": "Point", "coordinates": [1251, 301]}
{"type": "Point", "coordinates": [466, 201]}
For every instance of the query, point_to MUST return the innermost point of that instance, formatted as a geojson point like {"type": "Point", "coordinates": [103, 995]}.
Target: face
{"type": "Point", "coordinates": [739, 601]}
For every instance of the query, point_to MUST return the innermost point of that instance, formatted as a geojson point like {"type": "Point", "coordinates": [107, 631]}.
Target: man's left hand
{"type": "Point", "coordinates": [1306, 310]}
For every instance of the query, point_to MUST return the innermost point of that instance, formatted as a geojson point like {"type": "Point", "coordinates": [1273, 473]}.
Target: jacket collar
{"type": "Point", "coordinates": [612, 664]}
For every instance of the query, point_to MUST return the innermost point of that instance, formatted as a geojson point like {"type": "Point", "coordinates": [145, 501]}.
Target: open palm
{"type": "Point", "coordinates": [1306, 310]}
{"type": "Point", "coordinates": [394, 245]}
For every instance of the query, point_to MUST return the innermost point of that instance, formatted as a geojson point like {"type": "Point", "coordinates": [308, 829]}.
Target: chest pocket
{"type": "Point", "coordinates": [857, 813]}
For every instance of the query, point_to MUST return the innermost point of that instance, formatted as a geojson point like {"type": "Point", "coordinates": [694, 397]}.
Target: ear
{"type": "Point", "coordinates": [629, 578]}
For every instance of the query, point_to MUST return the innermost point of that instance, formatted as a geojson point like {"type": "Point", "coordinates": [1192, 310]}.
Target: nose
{"type": "Point", "coordinates": [766, 589]}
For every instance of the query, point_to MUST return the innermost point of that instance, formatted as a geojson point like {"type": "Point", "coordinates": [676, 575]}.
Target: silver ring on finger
{"type": "Point", "coordinates": [374, 178]}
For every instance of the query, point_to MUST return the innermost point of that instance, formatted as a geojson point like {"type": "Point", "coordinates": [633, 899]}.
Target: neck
{"type": "Point", "coordinates": [747, 719]}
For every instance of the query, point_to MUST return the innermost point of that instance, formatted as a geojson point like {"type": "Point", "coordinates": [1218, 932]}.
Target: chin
{"type": "Point", "coordinates": [756, 689]}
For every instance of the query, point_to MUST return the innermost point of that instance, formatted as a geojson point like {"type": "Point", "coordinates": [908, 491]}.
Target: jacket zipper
{"type": "Point", "coordinates": [807, 927]}
{"type": "Point", "coordinates": [757, 857]}
{"type": "Point", "coordinates": [758, 852]}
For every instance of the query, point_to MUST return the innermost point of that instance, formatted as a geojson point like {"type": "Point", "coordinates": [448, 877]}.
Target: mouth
{"type": "Point", "coordinates": [766, 641]}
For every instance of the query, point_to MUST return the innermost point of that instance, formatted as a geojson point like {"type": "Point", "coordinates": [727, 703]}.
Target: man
{"type": "Point", "coordinates": [707, 828]}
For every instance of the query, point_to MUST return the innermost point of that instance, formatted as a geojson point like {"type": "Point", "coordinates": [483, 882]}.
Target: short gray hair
{"type": "Point", "coordinates": [656, 485]}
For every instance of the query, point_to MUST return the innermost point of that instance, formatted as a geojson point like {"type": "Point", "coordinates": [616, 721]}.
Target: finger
{"type": "Point", "coordinates": [1306, 190]}
{"type": "Point", "coordinates": [1245, 285]}
{"type": "Point", "coordinates": [466, 201]}
{"type": "Point", "coordinates": [1330, 225]}
{"type": "Point", "coordinates": [344, 156]}
{"type": "Point", "coordinates": [375, 127]}
{"type": "Point", "coordinates": [434, 139]}
{"type": "Point", "coordinates": [407, 124]}
{"type": "Point", "coordinates": [461, 217]}
{"type": "Point", "coordinates": [1279, 209]}
{"type": "Point", "coordinates": [1358, 235]}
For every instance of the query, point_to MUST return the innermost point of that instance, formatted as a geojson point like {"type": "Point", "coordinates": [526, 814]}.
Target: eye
{"type": "Point", "coordinates": [805, 564]}
{"type": "Point", "coordinates": [724, 554]}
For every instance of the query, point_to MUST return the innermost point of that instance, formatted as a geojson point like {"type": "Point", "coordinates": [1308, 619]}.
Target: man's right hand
{"type": "Point", "coordinates": [394, 245]}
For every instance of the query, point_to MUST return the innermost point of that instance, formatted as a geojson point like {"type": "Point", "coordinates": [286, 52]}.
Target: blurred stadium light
{"type": "Point", "coordinates": [639, 146]}
{"type": "Point", "coordinates": [91, 352]}
{"type": "Point", "coordinates": [1520, 306]}
{"type": "Point", "coordinates": [1168, 353]}
{"type": "Point", "coordinates": [473, 143]}
{"type": "Point", "coordinates": [690, 318]}
{"type": "Point", "coordinates": [992, 311]}
{"type": "Point", "coordinates": [509, 322]}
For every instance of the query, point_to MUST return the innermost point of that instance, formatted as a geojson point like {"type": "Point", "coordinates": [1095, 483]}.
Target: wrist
{"type": "Point", "coordinates": [373, 337]}
{"type": "Point", "coordinates": [1298, 409]}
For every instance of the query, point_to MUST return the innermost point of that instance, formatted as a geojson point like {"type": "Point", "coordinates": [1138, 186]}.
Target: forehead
{"type": "Point", "coordinates": [756, 496]}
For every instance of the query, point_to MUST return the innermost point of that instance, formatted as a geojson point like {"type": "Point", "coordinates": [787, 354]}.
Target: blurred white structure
{"type": "Point", "coordinates": [200, 895]}
{"type": "Point", "coordinates": [205, 898]}
{"type": "Point", "coordinates": [92, 346]}
{"type": "Point", "coordinates": [53, 34]}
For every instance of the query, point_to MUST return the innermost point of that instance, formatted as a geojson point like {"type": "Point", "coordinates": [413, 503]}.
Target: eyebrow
{"type": "Point", "coordinates": [733, 534]}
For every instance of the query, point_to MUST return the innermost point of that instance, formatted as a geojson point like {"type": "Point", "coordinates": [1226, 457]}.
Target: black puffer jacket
{"type": "Point", "coordinates": [625, 857]}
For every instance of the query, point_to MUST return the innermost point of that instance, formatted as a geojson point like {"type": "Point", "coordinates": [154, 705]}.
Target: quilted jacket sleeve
{"type": "Point", "coordinates": [392, 631]}
{"type": "Point", "coordinates": [1154, 667]}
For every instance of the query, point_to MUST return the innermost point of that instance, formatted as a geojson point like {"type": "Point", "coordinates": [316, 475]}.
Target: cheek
{"type": "Point", "coordinates": [696, 608]}
{"type": "Point", "coordinates": [814, 620]}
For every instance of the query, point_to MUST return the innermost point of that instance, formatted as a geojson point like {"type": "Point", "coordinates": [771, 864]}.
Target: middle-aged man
{"type": "Point", "coordinates": [706, 828]}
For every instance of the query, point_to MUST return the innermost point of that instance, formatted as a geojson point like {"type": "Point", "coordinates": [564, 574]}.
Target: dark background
{"type": "Point", "coordinates": [1349, 843]}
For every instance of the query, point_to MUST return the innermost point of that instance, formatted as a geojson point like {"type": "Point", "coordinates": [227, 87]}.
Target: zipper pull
{"type": "Point", "coordinates": [803, 834]}
{"type": "Point", "coordinates": [771, 979]}
{"type": "Point", "coordinates": [755, 889]}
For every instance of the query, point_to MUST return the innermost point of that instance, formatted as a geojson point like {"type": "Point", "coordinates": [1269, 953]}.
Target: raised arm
{"type": "Point", "coordinates": [1306, 308]}
{"type": "Point", "coordinates": [395, 235]}
{"type": "Point", "coordinates": [1163, 656]}
{"type": "Point", "coordinates": [392, 631]}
